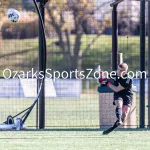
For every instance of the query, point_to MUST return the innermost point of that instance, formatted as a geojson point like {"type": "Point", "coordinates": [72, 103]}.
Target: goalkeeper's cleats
{"type": "Point", "coordinates": [108, 130]}
{"type": "Point", "coordinates": [117, 123]}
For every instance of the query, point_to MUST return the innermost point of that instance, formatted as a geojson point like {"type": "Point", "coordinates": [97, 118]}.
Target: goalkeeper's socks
{"type": "Point", "coordinates": [119, 115]}
{"type": "Point", "coordinates": [120, 122]}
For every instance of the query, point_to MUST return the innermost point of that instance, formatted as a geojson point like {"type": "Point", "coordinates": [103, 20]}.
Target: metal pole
{"type": "Point", "coordinates": [114, 38]}
{"type": "Point", "coordinates": [148, 63]}
{"type": "Point", "coordinates": [115, 34]}
{"type": "Point", "coordinates": [37, 108]}
{"type": "Point", "coordinates": [142, 63]}
{"type": "Point", "coordinates": [41, 68]}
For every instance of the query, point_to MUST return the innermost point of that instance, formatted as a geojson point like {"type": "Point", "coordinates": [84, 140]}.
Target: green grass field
{"type": "Point", "coordinates": [59, 112]}
{"type": "Point", "coordinates": [75, 140]}
{"type": "Point", "coordinates": [67, 113]}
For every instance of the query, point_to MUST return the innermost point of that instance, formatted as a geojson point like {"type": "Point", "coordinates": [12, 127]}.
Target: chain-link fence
{"type": "Point", "coordinates": [79, 38]}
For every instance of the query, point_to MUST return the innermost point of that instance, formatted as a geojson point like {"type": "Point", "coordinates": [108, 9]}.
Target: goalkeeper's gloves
{"type": "Point", "coordinates": [103, 81]}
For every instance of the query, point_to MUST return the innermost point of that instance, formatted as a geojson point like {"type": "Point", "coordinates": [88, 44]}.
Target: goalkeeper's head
{"type": "Point", "coordinates": [122, 69]}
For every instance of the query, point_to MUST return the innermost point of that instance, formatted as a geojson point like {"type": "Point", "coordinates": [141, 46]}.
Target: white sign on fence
{"type": "Point", "coordinates": [28, 88]}
{"type": "Point", "coordinates": [68, 88]}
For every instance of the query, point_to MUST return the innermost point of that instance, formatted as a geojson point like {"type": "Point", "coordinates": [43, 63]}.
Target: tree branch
{"type": "Point", "coordinates": [77, 44]}
{"type": "Point", "coordinates": [58, 30]}
{"type": "Point", "coordinates": [89, 45]}
{"type": "Point", "coordinates": [94, 39]}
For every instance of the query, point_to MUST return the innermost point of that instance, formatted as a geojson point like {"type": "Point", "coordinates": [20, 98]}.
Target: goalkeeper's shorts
{"type": "Point", "coordinates": [127, 100]}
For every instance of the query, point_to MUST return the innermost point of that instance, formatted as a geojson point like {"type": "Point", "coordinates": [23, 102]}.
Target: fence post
{"type": "Point", "coordinates": [142, 63]}
{"type": "Point", "coordinates": [41, 68]}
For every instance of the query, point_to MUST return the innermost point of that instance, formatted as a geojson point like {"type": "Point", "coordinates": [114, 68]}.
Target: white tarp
{"type": "Point", "coordinates": [28, 88]}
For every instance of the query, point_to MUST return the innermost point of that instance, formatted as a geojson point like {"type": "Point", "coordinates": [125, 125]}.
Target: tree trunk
{"type": "Point", "coordinates": [76, 64]}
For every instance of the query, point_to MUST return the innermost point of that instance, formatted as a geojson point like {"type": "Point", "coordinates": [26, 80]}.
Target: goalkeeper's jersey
{"type": "Point", "coordinates": [125, 82]}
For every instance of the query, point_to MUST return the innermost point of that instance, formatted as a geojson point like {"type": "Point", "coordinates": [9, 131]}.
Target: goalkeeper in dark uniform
{"type": "Point", "coordinates": [122, 88]}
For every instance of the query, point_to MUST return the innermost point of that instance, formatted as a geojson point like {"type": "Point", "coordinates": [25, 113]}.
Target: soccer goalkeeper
{"type": "Point", "coordinates": [122, 88]}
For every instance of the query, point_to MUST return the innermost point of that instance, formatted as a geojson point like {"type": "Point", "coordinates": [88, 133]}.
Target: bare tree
{"type": "Point", "coordinates": [82, 12]}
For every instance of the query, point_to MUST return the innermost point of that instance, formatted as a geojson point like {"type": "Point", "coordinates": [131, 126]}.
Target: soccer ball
{"type": "Point", "coordinates": [13, 15]}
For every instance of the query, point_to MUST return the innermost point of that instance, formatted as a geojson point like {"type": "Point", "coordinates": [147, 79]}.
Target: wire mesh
{"type": "Point", "coordinates": [79, 36]}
